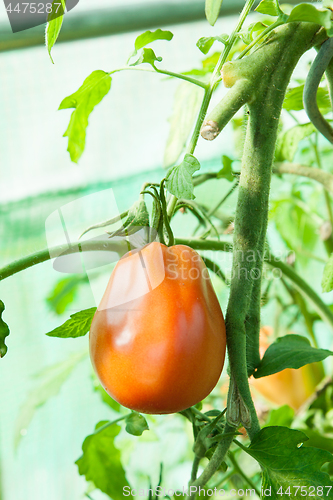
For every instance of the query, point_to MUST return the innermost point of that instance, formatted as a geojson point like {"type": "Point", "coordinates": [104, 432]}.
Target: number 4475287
{"type": "Point", "coordinates": [33, 8]}
{"type": "Point", "coordinates": [304, 491]}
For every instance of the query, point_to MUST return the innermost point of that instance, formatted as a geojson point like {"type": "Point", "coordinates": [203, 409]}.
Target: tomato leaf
{"type": "Point", "coordinates": [186, 105]}
{"type": "Point", "coordinates": [94, 88]}
{"type": "Point", "coordinates": [269, 7]}
{"type": "Point", "coordinates": [287, 464]}
{"type": "Point", "coordinates": [288, 144]}
{"type": "Point", "coordinates": [136, 424]}
{"type": "Point", "coordinates": [295, 224]}
{"type": "Point", "coordinates": [327, 281]}
{"type": "Point", "coordinates": [290, 351]}
{"type": "Point", "coordinates": [54, 24]}
{"type": "Point", "coordinates": [226, 171]}
{"type": "Point", "coordinates": [147, 56]}
{"type": "Point", "coordinates": [309, 13]}
{"type": "Point", "coordinates": [205, 43]}
{"type": "Point", "coordinates": [77, 326]}
{"type": "Point", "coordinates": [281, 416]}
{"type": "Point", "coordinates": [294, 99]}
{"type": "Point", "coordinates": [4, 332]}
{"type": "Point", "coordinates": [104, 395]}
{"type": "Point", "coordinates": [149, 37]}
{"type": "Point", "coordinates": [64, 293]}
{"type": "Point", "coordinates": [100, 462]}
{"type": "Point", "coordinates": [49, 383]}
{"type": "Point", "coordinates": [179, 180]}
{"type": "Point", "coordinates": [212, 10]}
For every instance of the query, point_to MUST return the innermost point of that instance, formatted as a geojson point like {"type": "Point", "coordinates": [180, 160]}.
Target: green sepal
{"type": "Point", "coordinates": [138, 217]}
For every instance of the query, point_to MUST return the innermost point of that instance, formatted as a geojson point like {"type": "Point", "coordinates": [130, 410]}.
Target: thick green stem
{"type": "Point", "coordinates": [195, 467]}
{"type": "Point", "coordinates": [197, 244]}
{"type": "Point", "coordinates": [43, 255]}
{"type": "Point", "coordinates": [313, 79]}
{"type": "Point", "coordinates": [269, 69]}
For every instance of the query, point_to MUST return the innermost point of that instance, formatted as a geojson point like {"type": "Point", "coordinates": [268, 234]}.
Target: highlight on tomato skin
{"type": "Point", "coordinates": [291, 387]}
{"type": "Point", "coordinates": [157, 340]}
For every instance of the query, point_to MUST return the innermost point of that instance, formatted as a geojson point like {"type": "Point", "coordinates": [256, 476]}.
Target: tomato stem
{"type": "Point", "coordinates": [269, 70]}
{"type": "Point", "coordinates": [215, 462]}
{"type": "Point", "coordinates": [241, 473]}
{"type": "Point", "coordinates": [197, 244]}
{"type": "Point", "coordinates": [215, 78]}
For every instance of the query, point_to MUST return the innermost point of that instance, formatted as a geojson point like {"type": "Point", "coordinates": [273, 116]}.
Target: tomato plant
{"type": "Point", "coordinates": [158, 337]}
{"type": "Point", "coordinates": [289, 386]}
{"type": "Point", "coordinates": [158, 321]}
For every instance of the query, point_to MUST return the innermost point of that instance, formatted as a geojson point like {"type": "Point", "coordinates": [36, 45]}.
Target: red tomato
{"type": "Point", "coordinates": [157, 340]}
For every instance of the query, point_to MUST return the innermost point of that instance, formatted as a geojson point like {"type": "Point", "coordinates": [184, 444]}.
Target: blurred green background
{"type": "Point", "coordinates": [125, 147]}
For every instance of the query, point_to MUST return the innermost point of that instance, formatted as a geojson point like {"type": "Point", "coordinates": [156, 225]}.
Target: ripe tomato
{"type": "Point", "coordinates": [291, 387]}
{"type": "Point", "coordinates": [157, 340]}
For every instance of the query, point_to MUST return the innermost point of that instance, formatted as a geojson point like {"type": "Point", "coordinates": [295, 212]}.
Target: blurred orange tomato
{"type": "Point", "coordinates": [291, 387]}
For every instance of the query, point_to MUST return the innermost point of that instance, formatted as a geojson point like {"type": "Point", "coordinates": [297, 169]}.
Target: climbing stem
{"type": "Point", "coordinates": [155, 70]}
{"type": "Point", "coordinates": [212, 85]}
{"type": "Point", "coordinates": [195, 467]}
{"type": "Point", "coordinates": [214, 463]}
{"type": "Point", "coordinates": [239, 471]}
{"type": "Point", "coordinates": [328, 242]}
{"type": "Point", "coordinates": [266, 31]}
{"type": "Point", "coordinates": [269, 70]}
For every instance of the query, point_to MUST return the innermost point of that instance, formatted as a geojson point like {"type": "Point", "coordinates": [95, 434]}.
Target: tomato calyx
{"type": "Point", "coordinates": [159, 217]}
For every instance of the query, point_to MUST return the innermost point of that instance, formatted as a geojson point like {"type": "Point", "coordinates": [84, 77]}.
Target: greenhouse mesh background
{"type": "Point", "coordinates": [125, 144]}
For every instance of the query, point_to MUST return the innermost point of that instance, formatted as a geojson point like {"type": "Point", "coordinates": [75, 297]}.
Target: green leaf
{"type": "Point", "coordinates": [212, 10]}
{"type": "Point", "coordinates": [94, 88]}
{"type": "Point", "coordinates": [101, 461]}
{"type": "Point", "coordinates": [138, 217]}
{"type": "Point", "coordinates": [327, 281]}
{"type": "Point", "coordinates": [309, 13]}
{"type": "Point", "coordinates": [136, 424]}
{"type": "Point", "coordinates": [247, 34]}
{"type": "Point", "coordinates": [147, 56]}
{"type": "Point", "coordinates": [205, 43]}
{"type": "Point", "coordinates": [149, 37]}
{"type": "Point", "coordinates": [290, 351]}
{"type": "Point", "coordinates": [4, 332]}
{"type": "Point", "coordinates": [186, 105]}
{"type": "Point", "coordinates": [226, 171]}
{"type": "Point", "coordinates": [269, 7]}
{"type": "Point", "coordinates": [54, 24]}
{"type": "Point", "coordinates": [64, 293]}
{"type": "Point", "coordinates": [77, 326]}
{"type": "Point", "coordinates": [294, 99]}
{"type": "Point", "coordinates": [49, 383]}
{"type": "Point", "coordinates": [179, 180]}
{"type": "Point", "coordinates": [291, 138]}
{"type": "Point", "coordinates": [104, 395]}
{"type": "Point", "coordinates": [295, 225]}
{"type": "Point", "coordinates": [282, 416]}
{"type": "Point", "coordinates": [287, 464]}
